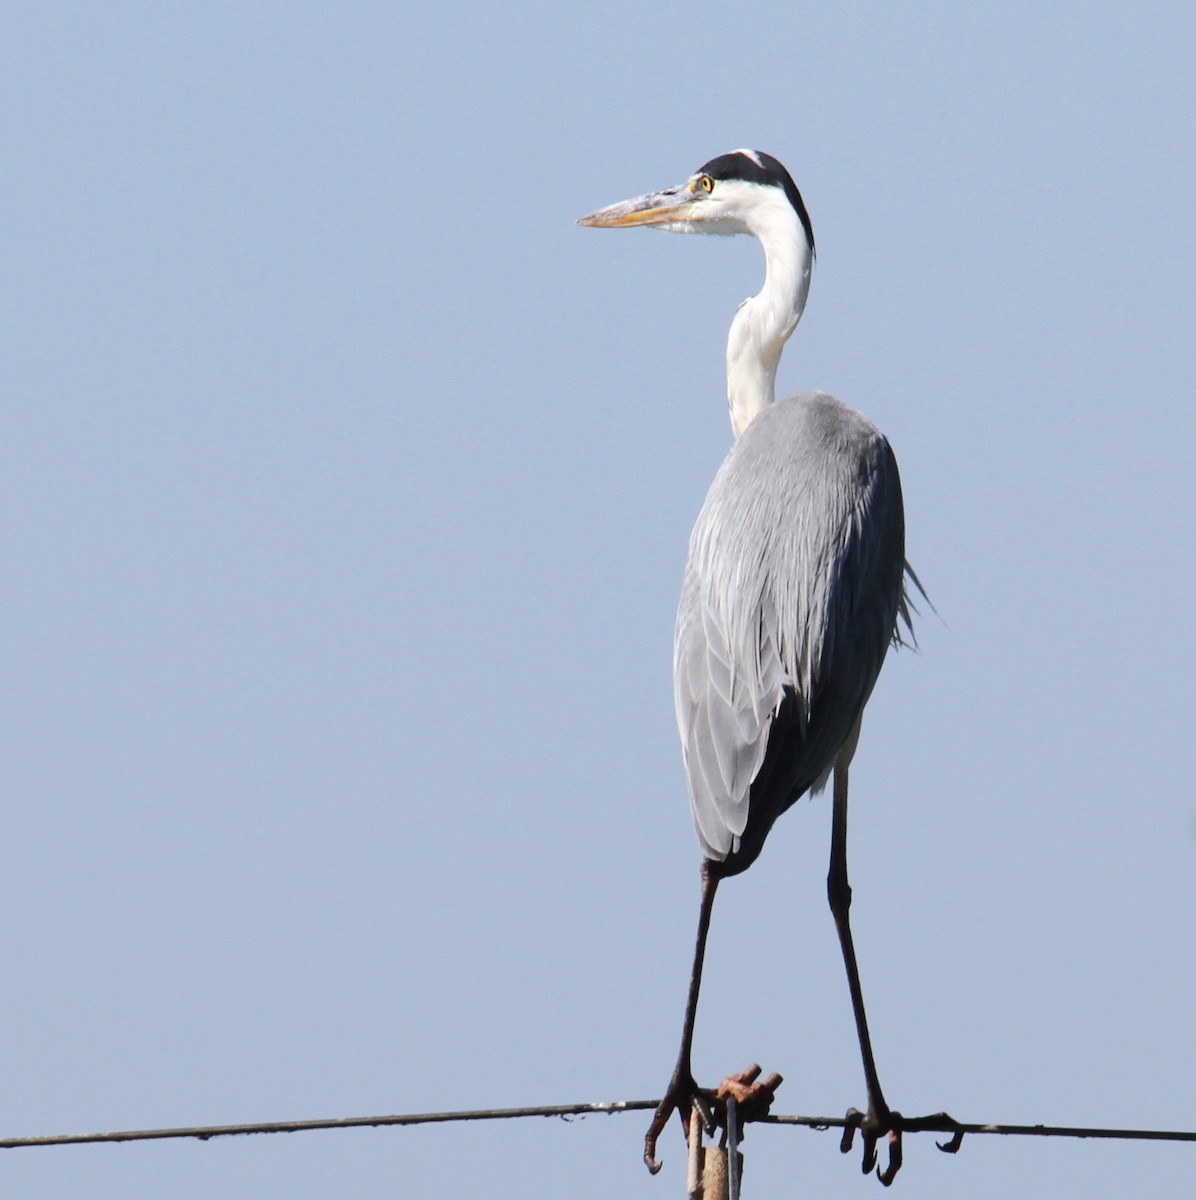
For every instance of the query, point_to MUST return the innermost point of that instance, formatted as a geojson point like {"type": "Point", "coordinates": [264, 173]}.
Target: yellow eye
{"type": "Point", "coordinates": [706, 183]}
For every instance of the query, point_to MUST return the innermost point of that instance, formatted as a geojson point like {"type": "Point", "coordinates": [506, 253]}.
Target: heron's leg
{"type": "Point", "coordinates": [682, 1093]}
{"type": "Point", "coordinates": [879, 1119]}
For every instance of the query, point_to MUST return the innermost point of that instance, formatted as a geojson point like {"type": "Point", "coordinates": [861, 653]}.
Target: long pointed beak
{"type": "Point", "coordinates": [673, 205]}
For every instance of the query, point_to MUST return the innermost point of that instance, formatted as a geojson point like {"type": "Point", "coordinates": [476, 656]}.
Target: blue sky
{"type": "Point", "coordinates": [346, 487]}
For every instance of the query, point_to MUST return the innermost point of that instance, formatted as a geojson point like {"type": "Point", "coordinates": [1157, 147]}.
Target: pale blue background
{"type": "Point", "coordinates": [346, 488]}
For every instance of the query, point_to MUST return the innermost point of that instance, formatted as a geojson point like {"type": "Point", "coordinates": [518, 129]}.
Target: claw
{"type": "Point", "coordinates": [659, 1120]}
{"type": "Point", "coordinates": [939, 1122]}
{"type": "Point", "coordinates": [948, 1124]}
{"type": "Point", "coordinates": [869, 1160]}
{"type": "Point", "coordinates": [707, 1114]}
{"type": "Point", "coordinates": [870, 1130]}
{"type": "Point", "coordinates": [854, 1120]}
{"type": "Point", "coordinates": [890, 1172]}
{"type": "Point", "coordinates": [650, 1151]}
{"type": "Point", "coordinates": [872, 1126]}
{"type": "Point", "coordinates": [751, 1094]}
{"type": "Point", "coordinates": [682, 1097]}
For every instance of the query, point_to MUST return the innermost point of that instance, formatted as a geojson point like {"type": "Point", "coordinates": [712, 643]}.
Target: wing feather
{"type": "Point", "coordinates": [790, 599]}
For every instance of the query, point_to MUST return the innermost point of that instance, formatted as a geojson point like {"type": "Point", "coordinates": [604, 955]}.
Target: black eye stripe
{"type": "Point", "coordinates": [767, 172]}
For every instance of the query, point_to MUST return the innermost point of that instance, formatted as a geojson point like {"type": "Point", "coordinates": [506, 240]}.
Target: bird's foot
{"type": "Point", "coordinates": [880, 1121]}
{"type": "Point", "coordinates": [683, 1096]}
{"type": "Point", "coordinates": [877, 1122]}
{"type": "Point", "coordinates": [752, 1096]}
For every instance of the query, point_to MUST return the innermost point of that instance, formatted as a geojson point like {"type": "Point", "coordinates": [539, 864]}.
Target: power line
{"type": "Point", "coordinates": [959, 1128]}
{"type": "Point", "coordinates": [206, 1132]}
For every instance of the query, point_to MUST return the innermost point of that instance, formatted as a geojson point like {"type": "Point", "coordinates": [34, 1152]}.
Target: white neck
{"type": "Point", "coordinates": [762, 325]}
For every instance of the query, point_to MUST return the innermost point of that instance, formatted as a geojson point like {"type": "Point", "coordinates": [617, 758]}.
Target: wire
{"type": "Point", "coordinates": [962, 1127]}
{"type": "Point", "coordinates": [205, 1132]}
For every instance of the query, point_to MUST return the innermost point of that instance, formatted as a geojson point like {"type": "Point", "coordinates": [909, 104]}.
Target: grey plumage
{"type": "Point", "coordinates": [791, 597]}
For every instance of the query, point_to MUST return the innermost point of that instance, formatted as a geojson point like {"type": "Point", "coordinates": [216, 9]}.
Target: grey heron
{"type": "Point", "coordinates": [794, 590]}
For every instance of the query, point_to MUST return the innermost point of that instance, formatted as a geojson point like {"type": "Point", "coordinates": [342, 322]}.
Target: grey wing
{"type": "Point", "coordinates": [790, 600]}
{"type": "Point", "coordinates": [724, 713]}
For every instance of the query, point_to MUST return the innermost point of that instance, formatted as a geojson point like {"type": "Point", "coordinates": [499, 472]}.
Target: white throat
{"type": "Point", "coordinates": [762, 324]}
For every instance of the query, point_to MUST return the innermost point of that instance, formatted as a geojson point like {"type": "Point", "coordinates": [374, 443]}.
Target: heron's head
{"type": "Point", "coordinates": [745, 191]}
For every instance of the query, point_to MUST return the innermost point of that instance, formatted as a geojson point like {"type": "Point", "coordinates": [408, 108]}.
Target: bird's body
{"type": "Point", "coordinates": [790, 600]}
{"type": "Point", "coordinates": [792, 593]}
